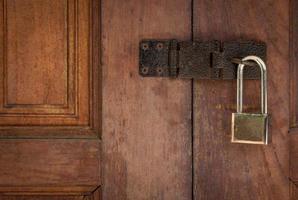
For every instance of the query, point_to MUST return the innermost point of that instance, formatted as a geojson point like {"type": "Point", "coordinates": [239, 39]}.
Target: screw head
{"type": "Point", "coordinates": [145, 46]}
{"type": "Point", "coordinates": [159, 46]}
{"type": "Point", "coordinates": [159, 71]}
{"type": "Point", "coordinates": [145, 70]}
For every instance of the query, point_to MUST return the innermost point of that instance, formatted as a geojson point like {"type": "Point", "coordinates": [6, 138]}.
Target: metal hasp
{"type": "Point", "coordinates": [251, 128]}
{"type": "Point", "coordinates": [198, 60]}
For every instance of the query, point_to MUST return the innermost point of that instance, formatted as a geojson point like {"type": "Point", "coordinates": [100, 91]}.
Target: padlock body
{"type": "Point", "coordinates": [249, 128]}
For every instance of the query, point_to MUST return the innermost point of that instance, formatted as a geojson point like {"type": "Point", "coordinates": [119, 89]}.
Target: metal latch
{"type": "Point", "coordinates": [198, 60]}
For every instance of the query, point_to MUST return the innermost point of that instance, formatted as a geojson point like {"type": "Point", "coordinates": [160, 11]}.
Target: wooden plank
{"type": "Point", "coordinates": [46, 190]}
{"type": "Point", "coordinates": [294, 156]}
{"type": "Point", "coordinates": [37, 197]}
{"type": "Point", "coordinates": [146, 126]}
{"type": "Point", "coordinates": [45, 163]}
{"type": "Point", "coordinates": [294, 191]}
{"type": "Point", "coordinates": [294, 99]}
{"type": "Point", "coordinates": [241, 171]}
{"type": "Point", "coordinates": [294, 65]}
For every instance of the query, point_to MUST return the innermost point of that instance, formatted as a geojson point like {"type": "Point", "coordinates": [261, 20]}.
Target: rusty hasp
{"type": "Point", "coordinates": [198, 60]}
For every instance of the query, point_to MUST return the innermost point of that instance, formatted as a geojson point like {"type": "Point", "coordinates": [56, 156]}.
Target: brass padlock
{"type": "Point", "coordinates": [248, 127]}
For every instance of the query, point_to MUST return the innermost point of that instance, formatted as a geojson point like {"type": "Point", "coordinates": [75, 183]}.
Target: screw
{"type": "Point", "coordinates": [159, 71]}
{"type": "Point", "coordinates": [145, 70]}
{"type": "Point", "coordinates": [159, 46]}
{"type": "Point", "coordinates": [145, 46]}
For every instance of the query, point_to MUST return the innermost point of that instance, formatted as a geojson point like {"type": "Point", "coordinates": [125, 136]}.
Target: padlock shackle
{"type": "Point", "coordinates": [263, 69]}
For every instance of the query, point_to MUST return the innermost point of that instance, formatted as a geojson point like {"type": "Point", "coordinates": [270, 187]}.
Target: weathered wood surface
{"type": "Point", "coordinates": [147, 121]}
{"type": "Point", "coordinates": [294, 100]}
{"type": "Point", "coordinates": [240, 171]}
{"type": "Point", "coordinates": [49, 163]}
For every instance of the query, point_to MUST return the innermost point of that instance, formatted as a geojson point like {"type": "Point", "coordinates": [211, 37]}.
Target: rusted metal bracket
{"type": "Point", "coordinates": [198, 60]}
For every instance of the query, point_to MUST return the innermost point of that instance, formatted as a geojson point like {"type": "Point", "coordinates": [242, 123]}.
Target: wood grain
{"type": "Point", "coordinates": [49, 162]}
{"type": "Point", "coordinates": [37, 197]}
{"type": "Point", "coordinates": [146, 126]}
{"type": "Point", "coordinates": [294, 100]}
{"type": "Point", "coordinates": [294, 66]}
{"type": "Point", "coordinates": [240, 171]}
{"type": "Point", "coordinates": [51, 192]}
{"type": "Point", "coordinates": [29, 49]}
{"type": "Point", "coordinates": [50, 88]}
{"type": "Point", "coordinates": [47, 190]}
{"type": "Point", "coordinates": [294, 156]}
{"type": "Point", "coordinates": [294, 191]}
{"type": "Point", "coordinates": [50, 68]}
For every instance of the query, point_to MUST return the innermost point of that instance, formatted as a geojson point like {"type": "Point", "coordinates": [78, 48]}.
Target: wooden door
{"type": "Point", "coordinates": [50, 99]}
{"type": "Point", "coordinates": [242, 171]}
{"type": "Point", "coordinates": [170, 139]}
{"type": "Point", "coordinates": [78, 122]}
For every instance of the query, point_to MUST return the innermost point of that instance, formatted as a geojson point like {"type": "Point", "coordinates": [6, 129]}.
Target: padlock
{"type": "Point", "coordinates": [251, 128]}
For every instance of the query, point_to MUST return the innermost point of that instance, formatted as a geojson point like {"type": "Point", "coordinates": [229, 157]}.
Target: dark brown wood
{"type": "Point", "coordinates": [294, 65]}
{"type": "Point", "coordinates": [294, 191]}
{"type": "Point", "coordinates": [294, 95]}
{"type": "Point", "coordinates": [294, 156]}
{"type": "Point", "coordinates": [49, 66]}
{"type": "Point", "coordinates": [294, 100]}
{"type": "Point", "coordinates": [146, 126]}
{"type": "Point", "coordinates": [223, 170]}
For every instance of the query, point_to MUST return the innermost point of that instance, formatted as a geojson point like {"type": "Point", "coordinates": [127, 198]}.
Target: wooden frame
{"type": "Point", "coordinates": [79, 117]}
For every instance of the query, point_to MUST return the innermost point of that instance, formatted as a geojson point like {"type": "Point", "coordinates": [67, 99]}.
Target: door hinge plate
{"type": "Point", "coordinates": [198, 60]}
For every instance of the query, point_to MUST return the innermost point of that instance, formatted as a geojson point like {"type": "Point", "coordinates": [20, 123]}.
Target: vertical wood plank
{"type": "Point", "coordinates": [294, 156]}
{"type": "Point", "coordinates": [294, 191]}
{"type": "Point", "coordinates": [294, 65]}
{"type": "Point", "coordinates": [240, 171]}
{"type": "Point", "coordinates": [146, 121]}
{"type": "Point", "coordinates": [294, 99]}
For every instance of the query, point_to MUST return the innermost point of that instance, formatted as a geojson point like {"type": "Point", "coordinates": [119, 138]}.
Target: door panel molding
{"type": "Point", "coordinates": [51, 192]}
{"type": "Point", "coordinates": [14, 46]}
{"type": "Point", "coordinates": [66, 101]}
{"type": "Point", "coordinates": [47, 190]}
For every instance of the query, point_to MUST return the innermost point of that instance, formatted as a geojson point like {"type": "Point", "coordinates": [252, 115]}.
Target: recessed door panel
{"type": "Point", "coordinates": [48, 78]}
